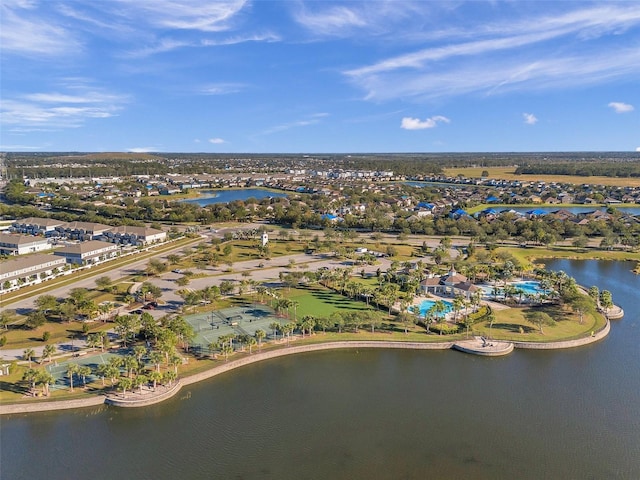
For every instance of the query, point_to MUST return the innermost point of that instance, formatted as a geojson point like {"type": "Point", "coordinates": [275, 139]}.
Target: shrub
{"type": "Point", "coordinates": [445, 328]}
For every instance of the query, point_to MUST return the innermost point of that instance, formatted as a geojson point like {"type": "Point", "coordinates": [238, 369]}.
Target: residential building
{"type": "Point", "coordinates": [28, 269]}
{"type": "Point", "coordinates": [131, 235]}
{"type": "Point", "coordinates": [87, 253]}
{"type": "Point", "coordinates": [36, 226]}
{"type": "Point", "coordinates": [15, 244]}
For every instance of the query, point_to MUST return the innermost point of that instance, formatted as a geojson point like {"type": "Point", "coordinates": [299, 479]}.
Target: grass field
{"type": "Point", "coordinates": [508, 173]}
{"type": "Point", "coordinates": [22, 337]}
{"type": "Point", "coordinates": [511, 324]}
{"type": "Point", "coordinates": [321, 302]}
{"type": "Point", "coordinates": [528, 255]}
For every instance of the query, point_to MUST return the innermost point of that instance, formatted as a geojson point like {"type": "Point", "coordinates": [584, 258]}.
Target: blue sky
{"type": "Point", "coordinates": [319, 76]}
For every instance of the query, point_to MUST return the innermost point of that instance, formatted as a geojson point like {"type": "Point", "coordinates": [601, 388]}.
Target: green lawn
{"type": "Point", "coordinates": [19, 336]}
{"type": "Point", "coordinates": [321, 302]}
{"type": "Point", "coordinates": [527, 255]}
{"type": "Point", "coordinates": [509, 322]}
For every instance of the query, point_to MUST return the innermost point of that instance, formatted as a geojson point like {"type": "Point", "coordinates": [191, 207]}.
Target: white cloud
{"type": "Point", "coordinates": [490, 76]}
{"type": "Point", "coordinates": [60, 110]}
{"type": "Point", "coordinates": [184, 14]}
{"type": "Point", "coordinates": [216, 141]}
{"type": "Point", "coordinates": [587, 23]}
{"type": "Point", "coordinates": [530, 118]}
{"type": "Point", "coordinates": [222, 88]}
{"type": "Point", "coordinates": [143, 149]}
{"type": "Point", "coordinates": [637, 149]}
{"type": "Point", "coordinates": [330, 21]}
{"type": "Point", "coordinates": [25, 32]}
{"type": "Point", "coordinates": [409, 123]}
{"type": "Point", "coordinates": [511, 56]}
{"type": "Point", "coordinates": [620, 107]}
{"type": "Point", "coordinates": [354, 19]}
{"type": "Point", "coordinates": [169, 44]}
{"type": "Point", "coordinates": [312, 119]}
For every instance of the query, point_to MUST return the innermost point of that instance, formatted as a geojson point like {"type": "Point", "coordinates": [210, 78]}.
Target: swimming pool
{"type": "Point", "coordinates": [529, 287]}
{"type": "Point", "coordinates": [426, 305]}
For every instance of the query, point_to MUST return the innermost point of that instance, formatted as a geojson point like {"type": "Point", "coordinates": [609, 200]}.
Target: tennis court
{"type": "Point", "coordinates": [244, 320]}
{"type": "Point", "coordinates": [59, 369]}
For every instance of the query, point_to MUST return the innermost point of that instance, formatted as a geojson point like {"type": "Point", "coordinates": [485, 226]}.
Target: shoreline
{"type": "Point", "coordinates": [465, 346]}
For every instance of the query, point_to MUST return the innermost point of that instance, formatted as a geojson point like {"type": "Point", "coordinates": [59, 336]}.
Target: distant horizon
{"type": "Point", "coordinates": [488, 152]}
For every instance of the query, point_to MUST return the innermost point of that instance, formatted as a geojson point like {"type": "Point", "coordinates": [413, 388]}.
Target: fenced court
{"type": "Point", "coordinates": [59, 369]}
{"type": "Point", "coordinates": [244, 320]}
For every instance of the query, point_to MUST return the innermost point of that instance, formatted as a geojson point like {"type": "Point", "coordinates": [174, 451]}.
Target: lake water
{"type": "Point", "coordinates": [208, 197]}
{"type": "Point", "coordinates": [384, 414]}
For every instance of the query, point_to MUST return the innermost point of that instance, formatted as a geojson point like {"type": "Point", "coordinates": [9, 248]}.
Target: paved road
{"type": "Point", "coordinates": [270, 272]}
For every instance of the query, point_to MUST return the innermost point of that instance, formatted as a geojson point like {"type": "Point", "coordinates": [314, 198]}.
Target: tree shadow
{"type": "Point", "coordinates": [514, 328]}
{"type": "Point", "coordinates": [16, 387]}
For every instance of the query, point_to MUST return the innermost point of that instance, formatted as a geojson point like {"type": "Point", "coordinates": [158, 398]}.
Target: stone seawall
{"type": "Point", "coordinates": [578, 342]}
{"type": "Point", "coordinates": [49, 406]}
{"type": "Point", "coordinates": [141, 401]}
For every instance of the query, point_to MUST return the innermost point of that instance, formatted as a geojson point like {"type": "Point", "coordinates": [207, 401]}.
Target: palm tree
{"type": "Point", "coordinates": [130, 365]}
{"type": "Point", "coordinates": [174, 361]}
{"type": "Point", "coordinates": [407, 319]}
{"type": "Point", "coordinates": [251, 341]}
{"type": "Point", "coordinates": [28, 355]}
{"type": "Point", "coordinates": [323, 323]}
{"type": "Point", "coordinates": [139, 351]}
{"type": "Point", "coordinates": [72, 368]}
{"type": "Point", "coordinates": [374, 320]}
{"type": "Point", "coordinates": [261, 290]}
{"type": "Point", "coordinates": [31, 375]}
{"type": "Point", "coordinates": [439, 307]}
{"type": "Point", "coordinates": [367, 293]}
{"type": "Point", "coordinates": [139, 381]}
{"type": "Point", "coordinates": [213, 346]}
{"type": "Point", "coordinates": [337, 318]}
{"type": "Point", "coordinates": [155, 377]}
{"type": "Point", "coordinates": [155, 357]}
{"type": "Point", "coordinates": [458, 304]}
{"type": "Point", "coordinates": [308, 322]}
{"type": "Point", "coordinates": [226, 350]}
{"type": "Point", "coordinates": [169, 376]}
{"type": "Point", "coordinates": [491, 318]}
{"type": "Point", "coordinates": [126, 325]}
{"type": "Point", "coordinates": [125, 384]}
{"type": "Point", "coordinates": [48, 351]}
{"type": "Point", "coordinates": [83, 371]}
{"type": "Point", "coordinates": [113, 369]}
{"type": "Point", "coordinates": [275, 326]}
{"type": "Point", "coordinates": [260, 334]}
{"type": "Point", "coordinates": [415, 311]}
{"type": "Point", "coordinates": [94, 340]}
{"type": "Point", "coordinates": [211, 294]}
{"type": "Point", "coordinates": [103, 371]}
{"type": "Point", "coordinates": [45, 378]}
